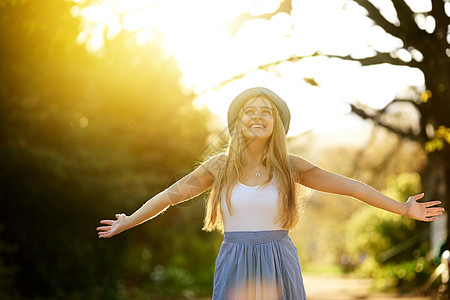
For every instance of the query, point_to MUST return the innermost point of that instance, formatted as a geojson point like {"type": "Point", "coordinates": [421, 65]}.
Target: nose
{"type": "Point", "coordinates": [256, 117]}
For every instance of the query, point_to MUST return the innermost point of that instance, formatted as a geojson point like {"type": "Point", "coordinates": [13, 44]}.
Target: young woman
{"type": "Point", "coordinates": [254, 201]}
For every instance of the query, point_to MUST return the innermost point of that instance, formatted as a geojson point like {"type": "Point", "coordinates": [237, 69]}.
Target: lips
{"type": "Point", "coordinates": [257, 126]}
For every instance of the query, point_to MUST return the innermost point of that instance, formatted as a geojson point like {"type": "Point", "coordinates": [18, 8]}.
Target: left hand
{"type": "Point", "coordinates": [422, 211]}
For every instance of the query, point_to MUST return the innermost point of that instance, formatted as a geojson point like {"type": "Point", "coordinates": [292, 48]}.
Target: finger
{"type": "Point", "coordinates": [432, 214]}
{"type": "Point", "coordinates": [104, 233]}
{"type": "Point", "coordinates": [418, 196]}
{"type": "Point", "coordinates": [431, 203]}
{"type": "Point", "coordinates": [103, 228]}
{"type": "Point", "coordinates": [107, 222]}
{"type": "Point", "coordinates": [430, 219]}
{"type": "Point", "coordinates": [435, 209]}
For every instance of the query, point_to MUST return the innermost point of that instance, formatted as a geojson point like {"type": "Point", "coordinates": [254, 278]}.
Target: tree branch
{"type": "Point", "coordinates": [375, 117]}
{"type": "Point", "coordinates": [293, 58]}
{"type": "Point", "coordinates": [406, 17]}
{"type": "Point", "coordinates": [441, 18]}
{"type": "Point", "coordinates": [379, 58]}
{"type": "Point", "coordinates": [285, 6]}
{"type": "Point", "coordinates": [377, 17]}
{"type": "Point", "coordinates": [408, 31]}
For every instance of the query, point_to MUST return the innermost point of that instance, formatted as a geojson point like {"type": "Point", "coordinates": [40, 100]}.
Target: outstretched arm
{"type": "Point", "coordinates": [325, 181]}
{"type": "Point", "coordinates": [186, 188]}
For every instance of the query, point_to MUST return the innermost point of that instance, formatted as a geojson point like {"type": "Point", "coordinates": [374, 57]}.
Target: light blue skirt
{"type": "Point", "coordinates": [256, 266]}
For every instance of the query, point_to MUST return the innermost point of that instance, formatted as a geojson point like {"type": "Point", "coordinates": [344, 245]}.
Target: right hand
{"type": "Point", "coordinates": [113, 227]}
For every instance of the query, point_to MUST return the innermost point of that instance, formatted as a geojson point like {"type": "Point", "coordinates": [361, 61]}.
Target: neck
{"type": "Point", "coordinates": [255, 151]}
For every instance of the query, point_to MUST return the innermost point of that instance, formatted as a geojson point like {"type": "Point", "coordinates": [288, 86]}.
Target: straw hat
{"type": "Point", "coordinates": [243, 97]}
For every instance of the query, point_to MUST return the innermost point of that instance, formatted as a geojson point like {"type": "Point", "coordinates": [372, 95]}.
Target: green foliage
{"type": "Point", "coordinates": [441, 137]}
{"type": "Point", "coordinates": [373, 232]}
{"type": "Point", "coordinates": [405, 276]}
{"type": "Point", "coordinates": [387, 246]}
{"type": "Point", "coordinates": [83, 138]}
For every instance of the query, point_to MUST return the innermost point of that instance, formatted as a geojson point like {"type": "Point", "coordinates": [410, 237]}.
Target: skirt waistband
{"type": "Point", "coordinates": [254, 236]}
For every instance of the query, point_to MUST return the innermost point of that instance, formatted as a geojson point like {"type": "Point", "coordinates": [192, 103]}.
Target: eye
{"type": "Point", "coordinates": [267, 112]}
{"type": "Point", "coordinates": [249, 111]}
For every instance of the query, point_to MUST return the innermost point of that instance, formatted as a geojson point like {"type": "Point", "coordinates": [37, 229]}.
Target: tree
{"type": "Point", "coordinates": [82, 138]}
{"type": "Point", "coordinates": [430, 53]}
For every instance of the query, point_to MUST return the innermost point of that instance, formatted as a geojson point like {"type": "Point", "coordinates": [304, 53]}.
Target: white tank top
{"type": "Point", "coordinates": [253, 208]}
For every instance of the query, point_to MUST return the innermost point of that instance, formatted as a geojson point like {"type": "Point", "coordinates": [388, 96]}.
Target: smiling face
{"type": "Point", "coordinates": [257, 118]}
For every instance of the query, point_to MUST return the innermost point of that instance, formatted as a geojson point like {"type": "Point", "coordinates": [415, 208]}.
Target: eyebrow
{"type": "Point", "coordinates": [252, 106]}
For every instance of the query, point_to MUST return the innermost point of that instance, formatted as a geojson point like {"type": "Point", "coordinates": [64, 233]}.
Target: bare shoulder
{"type": "Point", "coordinates": [300, 164]}
{"type": "Point", "coordinates": [215, 163]}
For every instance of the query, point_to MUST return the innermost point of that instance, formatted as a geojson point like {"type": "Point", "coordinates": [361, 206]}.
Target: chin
{"type": "Point", "coordinates": [252, 136]}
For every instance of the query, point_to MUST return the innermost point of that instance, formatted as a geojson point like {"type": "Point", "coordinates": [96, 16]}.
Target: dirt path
{"type": "Point", "coordinates": [322, 287]}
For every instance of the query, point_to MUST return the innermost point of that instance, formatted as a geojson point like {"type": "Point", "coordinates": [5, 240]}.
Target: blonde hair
{"type": "Point", "coordinates": [276, 160]}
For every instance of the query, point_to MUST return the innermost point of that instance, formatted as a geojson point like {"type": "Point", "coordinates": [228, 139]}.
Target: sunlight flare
{"type": "Point", "coordinates": [200, 35]}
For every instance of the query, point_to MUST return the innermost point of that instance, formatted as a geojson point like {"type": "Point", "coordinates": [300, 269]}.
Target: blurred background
{"type": "Point", "coordinates": [105, 103]}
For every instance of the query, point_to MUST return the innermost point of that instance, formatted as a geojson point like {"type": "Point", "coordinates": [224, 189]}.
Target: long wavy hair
{"type": "Point", "coordinates": [276, 160]}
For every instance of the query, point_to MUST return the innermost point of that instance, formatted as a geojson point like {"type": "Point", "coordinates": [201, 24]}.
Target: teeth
{"type": "Point", "coordinates": [257, 126]}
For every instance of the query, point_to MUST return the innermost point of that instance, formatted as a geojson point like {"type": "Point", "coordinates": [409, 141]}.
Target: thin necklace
{"type": "Point", "coordinates": [258, 174]}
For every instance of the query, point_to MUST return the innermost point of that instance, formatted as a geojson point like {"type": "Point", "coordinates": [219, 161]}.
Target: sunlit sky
{"type": "Point", "coordinates": [198, 34]}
